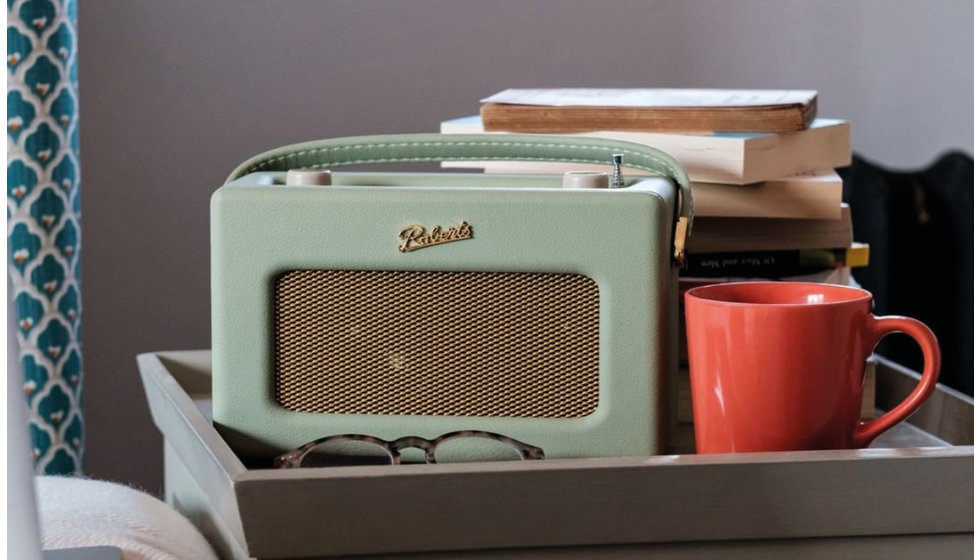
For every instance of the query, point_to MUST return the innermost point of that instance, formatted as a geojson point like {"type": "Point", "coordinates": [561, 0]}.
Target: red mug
{"type": "Point", "coordinates": [779, 366]}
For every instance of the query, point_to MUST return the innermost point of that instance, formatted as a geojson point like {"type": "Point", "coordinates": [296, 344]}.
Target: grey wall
{"type": "Point", "coordinates": [175, 94]}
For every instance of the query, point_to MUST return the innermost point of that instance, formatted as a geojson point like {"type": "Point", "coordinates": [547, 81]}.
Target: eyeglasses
{"type": "Point", "coordinates": [357, 449]}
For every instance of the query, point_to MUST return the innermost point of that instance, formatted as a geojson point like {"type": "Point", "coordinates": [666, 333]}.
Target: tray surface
{"type": "Point", "coordinates": [911, 483]}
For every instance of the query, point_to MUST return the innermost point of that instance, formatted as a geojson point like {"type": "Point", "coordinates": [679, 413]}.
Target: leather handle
{"type": "Point", "coordinates": [879, 327]}
{"type": "Point", "coordinates": [402, 148]}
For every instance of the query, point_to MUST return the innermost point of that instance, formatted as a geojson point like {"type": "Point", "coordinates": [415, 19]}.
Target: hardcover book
{"type": "Point", "coordinates": [652, 109]}
{"type": "Point", "coordinates": [719, 235]}
{"type": "Point", "coordinates": [774, 264]}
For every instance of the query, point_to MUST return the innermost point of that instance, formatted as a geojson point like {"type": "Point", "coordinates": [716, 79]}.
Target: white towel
{"type": "Point", "coordinates": [78, 512]}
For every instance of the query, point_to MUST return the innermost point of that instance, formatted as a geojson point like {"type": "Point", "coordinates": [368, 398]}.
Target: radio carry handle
{"type": "Point", "coordinates": [405, 148]}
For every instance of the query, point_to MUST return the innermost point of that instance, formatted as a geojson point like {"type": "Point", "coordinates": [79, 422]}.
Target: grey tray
{"type": "Point", "coordinates": [911, 496]}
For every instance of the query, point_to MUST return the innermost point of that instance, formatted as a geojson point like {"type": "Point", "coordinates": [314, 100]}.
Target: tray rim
{"type": "Point", "coordinates": [235, 490]}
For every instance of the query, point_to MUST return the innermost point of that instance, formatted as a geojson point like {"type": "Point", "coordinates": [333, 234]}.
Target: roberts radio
{"type": "Point", "coordinates": [396, 304]}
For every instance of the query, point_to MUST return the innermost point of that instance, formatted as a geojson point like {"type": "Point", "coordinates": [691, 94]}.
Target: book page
{"type": "Point", "coordinates": [650, 97]}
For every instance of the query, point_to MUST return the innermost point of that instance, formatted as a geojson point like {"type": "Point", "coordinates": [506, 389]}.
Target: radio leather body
{"type": "Point", "coordinates": [396, 304]}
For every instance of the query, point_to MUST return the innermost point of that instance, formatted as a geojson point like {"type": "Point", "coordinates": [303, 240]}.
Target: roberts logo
{"type": "Point", "coordinates": [416, 237]}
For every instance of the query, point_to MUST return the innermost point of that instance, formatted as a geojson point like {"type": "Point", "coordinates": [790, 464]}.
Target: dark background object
{"type": "Point", "coordinates": [920, 228]}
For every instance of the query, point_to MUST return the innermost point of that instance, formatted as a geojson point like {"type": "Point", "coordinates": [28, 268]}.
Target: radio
{"type": "Point", "coordinates": [422, 303]}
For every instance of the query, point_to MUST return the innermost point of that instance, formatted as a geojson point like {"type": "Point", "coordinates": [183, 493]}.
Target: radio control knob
{"type": "Point", "coordinates": [585, 180]}
{"type": "Point", "coordinates": [308, 177]}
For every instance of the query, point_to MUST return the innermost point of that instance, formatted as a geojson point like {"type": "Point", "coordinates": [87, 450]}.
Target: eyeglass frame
{"type": "Point", "coordinates": [293, 459]}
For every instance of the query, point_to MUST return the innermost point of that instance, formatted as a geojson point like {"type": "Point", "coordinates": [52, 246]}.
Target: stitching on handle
{"type": "Point", "coordinates": [664, 165]}
{"type": "Point", "coordinates": [460, 158]}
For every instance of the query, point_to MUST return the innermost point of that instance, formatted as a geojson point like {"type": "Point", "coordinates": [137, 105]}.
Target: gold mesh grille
{"type": "Point", "coordinates": [437, 343]}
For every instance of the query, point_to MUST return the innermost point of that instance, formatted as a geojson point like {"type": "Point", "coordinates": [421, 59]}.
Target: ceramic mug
{"type": "Point", "coordinates": [778, 366]}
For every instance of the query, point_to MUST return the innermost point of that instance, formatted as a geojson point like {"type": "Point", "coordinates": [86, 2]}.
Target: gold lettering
{"type": "Point", "coordinates": [408, 235]}
{"type": "Point", "coordinates": [417, 237]}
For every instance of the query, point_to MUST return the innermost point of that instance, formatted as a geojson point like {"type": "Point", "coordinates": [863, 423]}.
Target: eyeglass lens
{"type": "Point", "coordinates": [346, 452]}
{"type": "Point", "coordinates": [467, 449]}
{"type": "Point", "coordinates": [462, 449]}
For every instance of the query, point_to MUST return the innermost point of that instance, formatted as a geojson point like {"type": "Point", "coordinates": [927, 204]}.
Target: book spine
{"type": "Point", "coordinates": [737, 235]}
{"type": "Point", "coordinates": [543, 119]}
{"type": "Point", "coordinates": [773, 264]}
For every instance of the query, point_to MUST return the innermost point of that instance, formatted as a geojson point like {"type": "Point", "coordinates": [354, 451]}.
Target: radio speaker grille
{"type": "Point", "coordinates": [437, 343]}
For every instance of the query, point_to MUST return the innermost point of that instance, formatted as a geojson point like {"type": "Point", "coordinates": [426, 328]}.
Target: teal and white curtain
{"type": "Point", "coordinates": [43, 224]}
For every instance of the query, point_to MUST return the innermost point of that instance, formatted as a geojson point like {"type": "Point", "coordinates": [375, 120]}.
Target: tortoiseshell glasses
{"type": "Point", "coordinates": [357, 449]}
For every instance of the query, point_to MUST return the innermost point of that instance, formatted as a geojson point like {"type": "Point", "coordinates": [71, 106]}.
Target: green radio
{"type": "Point", "coordinates": [392, 303]}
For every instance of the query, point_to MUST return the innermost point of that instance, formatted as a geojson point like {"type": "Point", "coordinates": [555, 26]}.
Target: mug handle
{"type": "Point", "coordinates": [879, 327]}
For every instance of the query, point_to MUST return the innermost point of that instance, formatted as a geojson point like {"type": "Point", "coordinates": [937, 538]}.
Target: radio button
{"type": "Point", "coordinates": [585, 180]}
{"type": "Point", "coordinates": [308, 177]}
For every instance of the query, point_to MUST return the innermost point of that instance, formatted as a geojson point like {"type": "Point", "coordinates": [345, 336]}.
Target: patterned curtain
{"type": "Point", "coordinates": [43, 217]}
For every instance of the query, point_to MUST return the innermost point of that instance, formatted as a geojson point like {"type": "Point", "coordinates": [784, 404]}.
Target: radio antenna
{"type": "Point", "coordinates": [617, 176]}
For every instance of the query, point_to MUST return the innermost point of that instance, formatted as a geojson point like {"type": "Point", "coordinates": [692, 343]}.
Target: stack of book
{"type": "Point", "coordinates": [767, 201]}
